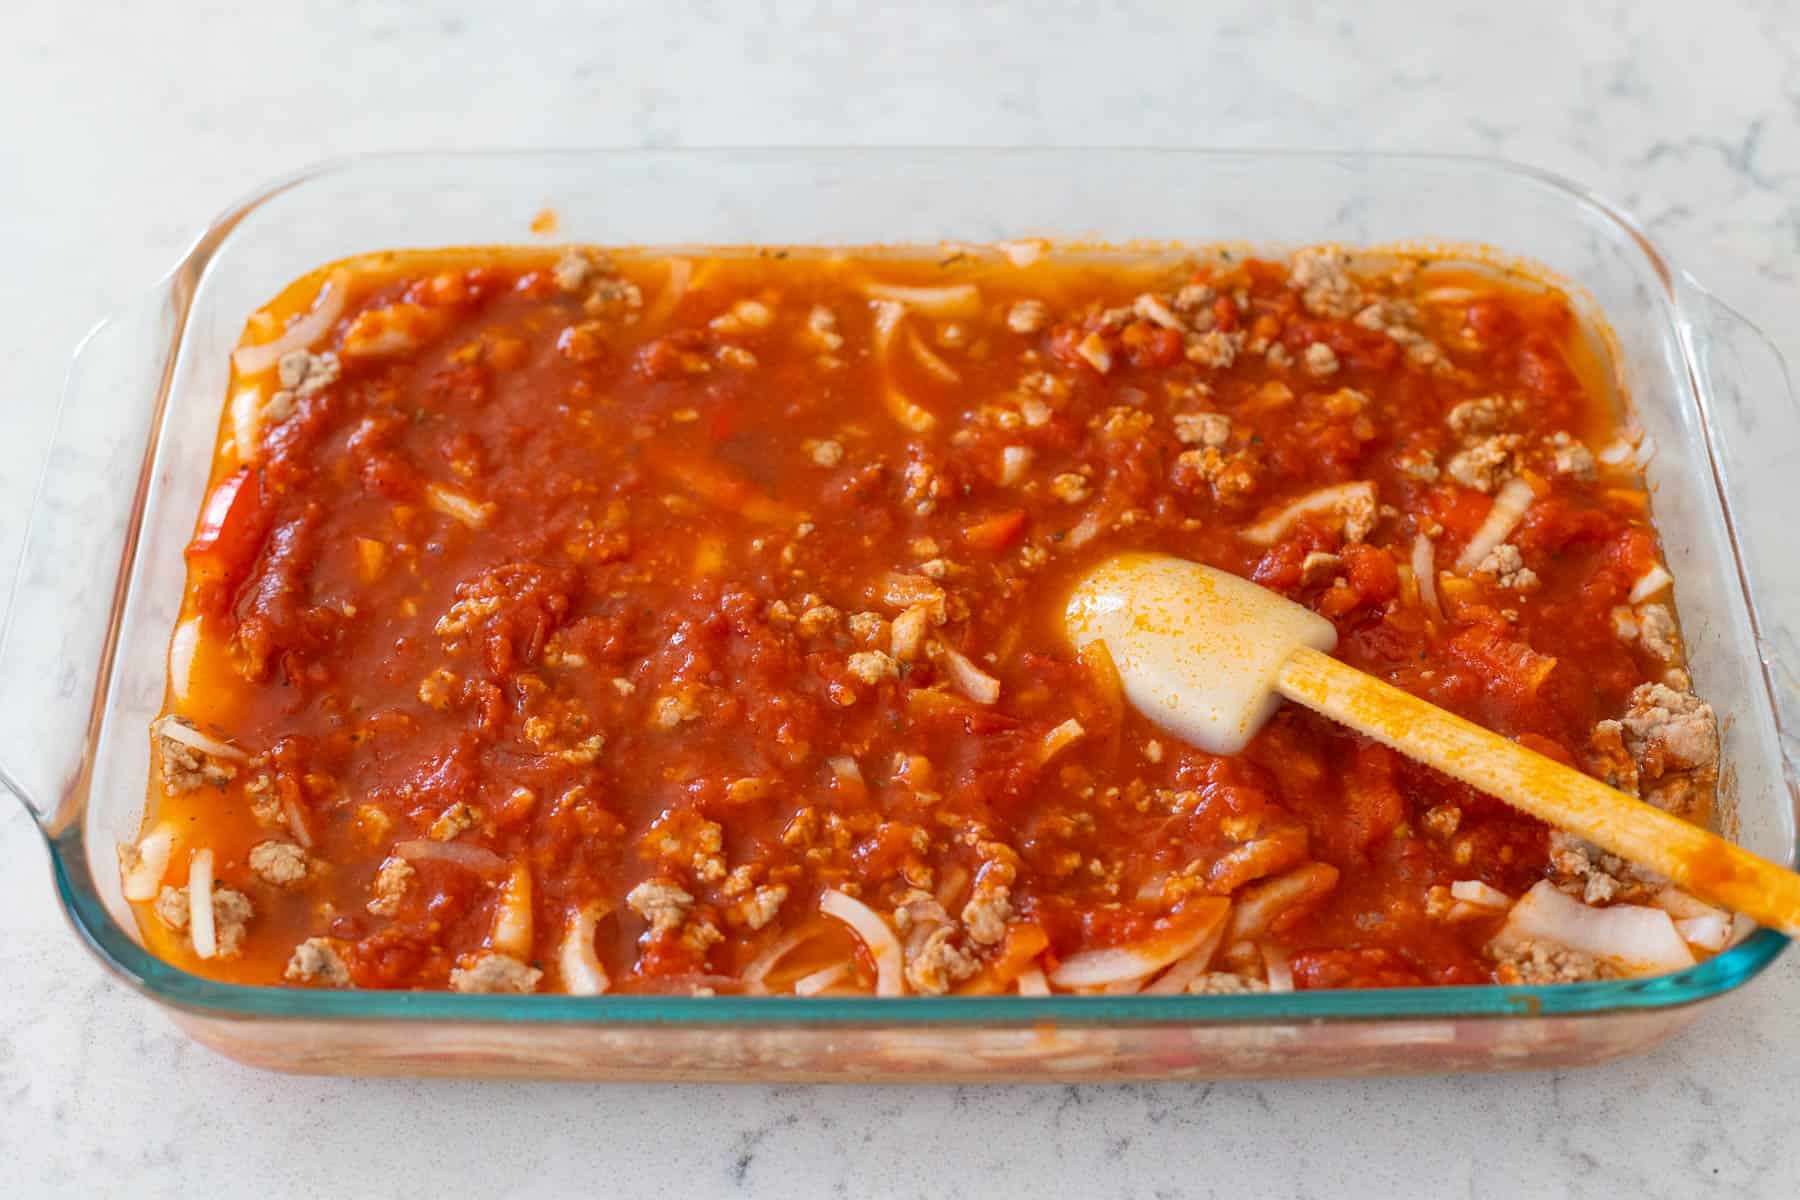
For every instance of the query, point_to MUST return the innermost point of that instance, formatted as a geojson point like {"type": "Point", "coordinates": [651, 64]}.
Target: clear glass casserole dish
{"type": "Point", "coordinates": [82, 664]}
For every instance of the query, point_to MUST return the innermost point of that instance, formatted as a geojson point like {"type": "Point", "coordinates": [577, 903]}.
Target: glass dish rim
{"type": "Point", "coordinates": [172, 985]}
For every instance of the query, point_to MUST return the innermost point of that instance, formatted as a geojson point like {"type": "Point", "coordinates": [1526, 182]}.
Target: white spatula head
{"type": "Point", "coordinates": [1198, 649]}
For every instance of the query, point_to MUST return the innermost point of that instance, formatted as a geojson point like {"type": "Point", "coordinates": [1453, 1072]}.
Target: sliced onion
{"type": "Point", "coordinates": [200, 904]}
{"type": "Point", "coordinates": [179, 731]}
{"type": "Point", "coordinates": [953, 300]}
{"type": "Point", "coordinates": [1508, 510]}
{"type": "Point", "coordinates": [931, 360]}
{"type": "Point", "coordinates": [296, 820]}
{"type": "Point", "coordinates": [1424, 565]}
{"type": "Point", "coordinates": [1635, 939]}
{"type": "Point", "coordinates": [461, 854]}
{"type": "Point", "coordinates": [1679, 904]}
{"type": "Point", "coordinates": [765, 960]}
{"type": "Point", "coordinates": [1260, 904]}
{"type": "Point", "coordinates": [1060, 739]}
{"type": "Point", "coordinates": [675, 286]}
{"type": "Point", "coordinates": [149, 861]}
{"type": "Point", "coordinates": [1473, 891]}
{"type": "Point", "coordinates": [580, 967]}
{"type": "Point", "coordinates": [1651, 582]}
{"type": "Point", "coordinates": [1615, 453]}
{"type": "Point", "coordinates": [183, 648]}
{"type": "Point", "coordinates": [876, 937]}
{"type": "Point", "coordinates": [1175, 980]}
{"type": "Point", "coordinates": [818, 981]}
{"type": "Point", "coordinates": [512, 916]}
{"type": "Point", "coordinates": [458, 505]}
{"type": "Point", "coordinates": [1279, 971]}
{"type": "Point", "coordinates": [1031, 982]}
{"type": "Point", "coordinates": [1097, 968]}
{"type": "Point", "coordinates": [1025, 252]}
{"type": "Point", "coordinates": [1090, 527]}
{"type": "Point", "coordinates": [246, 422]}
{"type": "Point", "coordinates": [1093, 351]}
{"type": "Point", "coordinates": [848, 775]}
{"type": "Point", "coordinates": [1447, 294]}
{"type": "Point", "coordinates": [968, 678]}
{"type": "Point", "coordinates": [1269, 530]}
{"type": "Point", "coordinates": [1122, 987]}
{"type": "Point", "coordinates": [326, 309]}
{"type": "Point", "coordinates": [888, 316]}
{"type": "Point", "coordinates": [1708, 933]}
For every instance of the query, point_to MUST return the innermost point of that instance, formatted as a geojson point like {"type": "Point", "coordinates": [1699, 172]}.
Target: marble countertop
{"type": "Point", "coordinates": [122, 132]}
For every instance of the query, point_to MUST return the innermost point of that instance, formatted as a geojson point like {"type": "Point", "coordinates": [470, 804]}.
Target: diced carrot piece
{"type": "Point", "coordinates": [996, 532]}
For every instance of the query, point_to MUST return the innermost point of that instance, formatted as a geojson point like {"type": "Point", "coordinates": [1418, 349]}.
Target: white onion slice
{"type": "Point", "coordinates": [1473, 891]}
{"type": "Point", "coordinates": [184, 646]}
{"type": "Point", "coordinates": [1615, 453]}
{"type": "Point", "coordinates": [512, 916]}
{"type": "Point", "coordinates": [888, 316]}
{"type": "Point", "coordinates": [1679, 904]}
{"type": "Point", "coordinates": [1183, 971]}
{"type": "Point", "coordinates": [1651, 582]}
{"type": "Point", "coordinates": [931, 360]}
{"type": "Point", "coordinates": [1341, 495]}
{"type": "Point", "coordinates": [326, 309]}
{"type": "Point", "coordinates": [879, 940]}
{"type": "Point", "coordinates": [1447, 294]}
{"type": "Point", "coordinates": [457, 505]}
{"type": "Point", "coordinates": [765, 960]}
{"type": "Point", "coordinates": [246, 422]}
{"type": "Point", "coordinates": [1503, 517]}
{"type": "Point", "coordinates": [296, 820]}
{"type": "Point", "coordinates": [1635, 939]}
{"type": "Point", "coordinates": [1025, 252]}
{"type": "Point", "coordinates": [1708, 933]}
{"type": "Point", "coordinates": [1031, 982]}
{"type": "Point", "coordinates": [681, 274]}
{"type": "Point", "coordinates": [178, 731]}
{"type": "Point", "coordinates": [149, 860]}
{"type": "Point", "coordinates": [1276, 967]}
{"type": "Point", "coordinates": [475, 858]}
{"type": "Point", "coordinates": [818, 981]}
{"type": "Point", "coordinates": [582, 972]}
{"type": "Point", "coordinates": [954, 300]}
{"type": "Point", "coordinates": [1258, 905]}
{"type": "Point", "coordinates": [200, 904]}
{"type": "Point", "coordinates": [1424, 565]}
{"type": "Point", "coordinates": [1060, 739]}
{"type": "Point", "coordinates": [1097, 968]}
{"type": "Point", "coordinates": [968, 678]}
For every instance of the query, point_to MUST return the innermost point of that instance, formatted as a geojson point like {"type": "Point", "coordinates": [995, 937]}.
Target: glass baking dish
{"type": "Point", "coordinates": [82, 664]}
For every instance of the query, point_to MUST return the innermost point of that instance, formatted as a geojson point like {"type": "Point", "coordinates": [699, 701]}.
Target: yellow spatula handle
{"type": "Point", "coordinates": [1697, 861]}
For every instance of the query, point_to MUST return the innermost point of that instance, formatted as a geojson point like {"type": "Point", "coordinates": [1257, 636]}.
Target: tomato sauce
{"type": "Point", "coordinates": [603, 614]}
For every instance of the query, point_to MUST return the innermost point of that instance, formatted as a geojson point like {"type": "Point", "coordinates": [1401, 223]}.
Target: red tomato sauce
{"type": "Point", "coordinates": [670, 595]}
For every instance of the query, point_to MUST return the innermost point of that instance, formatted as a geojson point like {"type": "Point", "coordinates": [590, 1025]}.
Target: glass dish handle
{"type": "Point", "coordinates": [61, 623]}
{"type": "Point", "coordinates": [1748, 398]}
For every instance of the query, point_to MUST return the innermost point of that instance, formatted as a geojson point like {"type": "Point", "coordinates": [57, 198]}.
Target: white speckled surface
{"type": "Point", "coordinates": [123, 131]}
